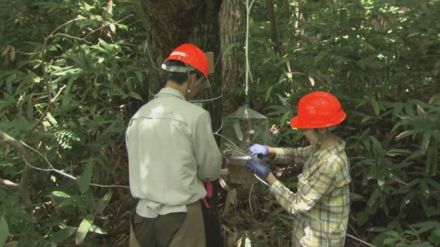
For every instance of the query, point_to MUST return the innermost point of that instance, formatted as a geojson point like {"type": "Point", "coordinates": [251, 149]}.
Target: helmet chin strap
{"type": "Point", "coordinates": [188, 90]}
{"type": "Point", "coordinates": [318, 137]}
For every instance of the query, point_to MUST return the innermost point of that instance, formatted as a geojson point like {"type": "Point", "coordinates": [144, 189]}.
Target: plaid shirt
{"type": "Point", "coordinates": [321, 205]}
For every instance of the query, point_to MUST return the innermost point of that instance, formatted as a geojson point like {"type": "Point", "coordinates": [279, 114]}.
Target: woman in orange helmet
{"type": "Point", "coordinates": [321, 204]}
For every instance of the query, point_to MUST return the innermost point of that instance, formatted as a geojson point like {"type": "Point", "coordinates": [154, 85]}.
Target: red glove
{"type": "Point", "coordinates": [208, 186]}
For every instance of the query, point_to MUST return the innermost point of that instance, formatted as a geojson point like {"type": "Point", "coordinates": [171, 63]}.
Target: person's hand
{"type": "Point", "coordinates": [259, 150]}
{"type": "Point", "coordinates": [258, 167]}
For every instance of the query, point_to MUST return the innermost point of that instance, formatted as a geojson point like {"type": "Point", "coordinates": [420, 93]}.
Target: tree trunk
{"type": "Point", "coordinates": [232, 35]}
{"type": "Point", "coordinates": [273, 25]}
{"type": "Point", "coordinates": [173, 22]}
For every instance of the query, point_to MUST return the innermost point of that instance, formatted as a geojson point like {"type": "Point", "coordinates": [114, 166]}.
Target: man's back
{"type": "Point", "coordinates": [170, 149]}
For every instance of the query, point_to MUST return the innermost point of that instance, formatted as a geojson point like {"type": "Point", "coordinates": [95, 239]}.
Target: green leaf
{"type": "Point", "coordinates": [426, 226]}
{"type": "Point", "coordinates": [134, 95]}
{"type": "Point", "coordinates": [373, 198]}
{"type": "Point", "coordinates": [377, 146]}
{"type": "Point", "coordinates": [425, 142]}
{"type": "Point", "coordinates": [63, 234]}
{"type": "Point", "coordinates": [284, 118]}
{"type": "Point", "coordinates": [376, 107]}
{"type": "Point", "coordinates": [433, 183]}
{"type": "Point", "coordinates": [268, 93]}
{"type": "Point", "coordinates": [139, 76]}
{"type": "Point", "coordinates": [83, 229]}
{"type": "Point", "coordinates": [432, 156]}
{"type": "Point", "coordinates": [362, 218]}
{"type": "Point", "coordinates": [98, 230]}
{"type": "Point", "coordinates": [60, 194]}
{"type": "Point", "coordinates": [435, 236]}
{"type": "Point", "coordinates": [103, 202]}
{"type": "Point", "coordinates": [392, 238]}
{"type": "Point", "coordinates": [4, 230]}
{"type": "Point", "coordinates": [85, 179]}
{"type": "Point", "coordinates": [405, 134]}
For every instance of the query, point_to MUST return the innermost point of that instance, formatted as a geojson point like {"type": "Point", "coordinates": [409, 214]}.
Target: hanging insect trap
{"type": "Point", "coordinates": [241, 129]}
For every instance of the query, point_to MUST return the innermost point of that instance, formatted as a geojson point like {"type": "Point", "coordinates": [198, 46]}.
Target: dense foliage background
{"type": "Point", "coordinates": [72, 73]}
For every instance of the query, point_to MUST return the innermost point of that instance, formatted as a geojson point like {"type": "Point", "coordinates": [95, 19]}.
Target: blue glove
{"type": "Point", "coordinates": [259, 150]}
{"type": "Point", "coordinates": [258, 167]}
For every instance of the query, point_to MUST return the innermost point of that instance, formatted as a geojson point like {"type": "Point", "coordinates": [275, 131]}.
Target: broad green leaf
{"type": "Point", "coordinates": [62, 199]}
{"type": "Point", "coordinates": [377, 146]}
{"type": "Point", "coordinates": [376, 107]}
{"type": "Point", "coordinates": [98, 230]}
{"type": "Point", "coordinates": [435, 236]}
{"type": "Point", "coordinates": [60, 194]}
{"type": "Point", "coordinates": [392, 238]}
{"type": "Point", "coordinates": [4, 231]}
{"type": "Point", "coordinates": [102, 203]}
{"type": "Point", "coordinates": [86, 178]}
{"type": "Point", "coordinates": [63, 234]}
{"type": "Point", "coordinates": [134, 95]}
{"type": "Point", "coordinates": [139, 76]}
{"type": "Point", "coordinates": [83, 229]}
{"type": "Point", "coordinates": [373, 198]}
{"type": "Point", "coordinates": [426, 226]}
{"type": "Point", "coordinates": [362, 218]}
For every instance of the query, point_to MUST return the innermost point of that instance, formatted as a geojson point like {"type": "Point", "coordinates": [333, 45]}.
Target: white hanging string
{"type": "Point", "coordinates": [248, 10]}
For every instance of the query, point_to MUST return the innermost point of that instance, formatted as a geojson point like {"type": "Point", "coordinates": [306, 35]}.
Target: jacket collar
{"type": "Point", "coordinates": [166, 92]}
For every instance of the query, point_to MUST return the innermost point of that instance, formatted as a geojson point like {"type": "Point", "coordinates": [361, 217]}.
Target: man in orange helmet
{"type": "Point", "coordinates": [321, 204]}
{"type": "Point", "coordinates": [171, 151]}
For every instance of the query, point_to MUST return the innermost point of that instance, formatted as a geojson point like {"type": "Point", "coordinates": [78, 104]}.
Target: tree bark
{"type": "Point", "coordinates": [173, 22]}
{"type": "Point", "coordinates": [232, 35]}
{"type": "Point", "coordinates": [170, 23]}
{"type": "Point", "coordinates": [273, 25]}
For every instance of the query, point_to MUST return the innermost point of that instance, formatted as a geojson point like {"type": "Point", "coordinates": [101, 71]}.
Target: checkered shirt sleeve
{"type": "Point", "coordinates": [293, 155]}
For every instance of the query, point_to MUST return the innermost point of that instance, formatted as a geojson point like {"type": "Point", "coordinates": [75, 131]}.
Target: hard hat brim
{"type": "Point", "coordinates": [297, 123]}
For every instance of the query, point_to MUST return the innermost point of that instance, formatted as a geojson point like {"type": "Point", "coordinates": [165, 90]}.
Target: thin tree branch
{"type": "Point", "coordinates": [65, 35]}
{"type": "Point", "coordinates": [23, 148]}
{"type": "Point", "coordinates": [360, 240]}
{"type": "Point", "coordinates": [107, 24]}
{"type": "Point", "coordinates": [22, 186]}
{"type": "Point", "coordinates": [49, 106]}
{"type": "Point", "coordinates": [9, 184]}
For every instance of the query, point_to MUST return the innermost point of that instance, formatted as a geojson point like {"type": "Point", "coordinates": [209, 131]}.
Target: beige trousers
{"type": "Point", "coordinates": [190, 234]}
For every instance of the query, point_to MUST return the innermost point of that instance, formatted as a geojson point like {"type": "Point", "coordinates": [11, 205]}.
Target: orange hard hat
{"type": "Point", "coordinates": [318, 110]}
{"type": "Point", "coordinates": [192, 56]}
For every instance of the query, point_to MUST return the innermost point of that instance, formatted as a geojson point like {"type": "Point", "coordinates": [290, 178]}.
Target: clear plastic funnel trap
{"type": "Point", "coordinates": [241, 129]}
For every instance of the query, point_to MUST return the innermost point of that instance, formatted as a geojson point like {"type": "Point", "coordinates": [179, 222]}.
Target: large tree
{"type": "Point", "coordinates": [213, 25]}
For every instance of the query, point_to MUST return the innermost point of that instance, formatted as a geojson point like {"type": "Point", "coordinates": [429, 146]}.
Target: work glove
{"type": "Point", "coordinates": [258, 167]}
{"type": "Point", "coordinates": [259, 150]}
